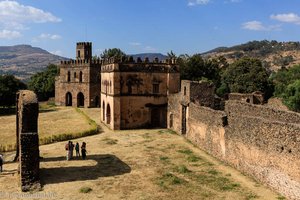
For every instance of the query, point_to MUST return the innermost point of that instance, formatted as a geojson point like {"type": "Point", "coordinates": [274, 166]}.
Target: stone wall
{"type": "Point", "coordinates": [27, 118]}
{"type": "Point", "coordinates": [256, 139]}
{"type": "Point", "coordinates": [265, 143]}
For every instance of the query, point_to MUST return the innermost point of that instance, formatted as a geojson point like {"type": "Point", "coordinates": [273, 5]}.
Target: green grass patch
{"type": "Point", "coordinates": [193, 158]}
{"type": "Point", "coordinates": [182, 169]}
{"type": "Point", "coordinates": [110, 141]}
{"type": "Point", "coordinates": [169, 179]}
{"type": "Point", "coordinates": [215, 181]}
{"type": "Point", "coordinates": [164, 158]}
{"type": "Point", "coordinates": [85, 190]}
{"type": "Point", "coordinates": [281, 197]}
{"type": "Point", "coordinates": [185, 151]}
{"type": "Point", "coordinates": [251, 196]}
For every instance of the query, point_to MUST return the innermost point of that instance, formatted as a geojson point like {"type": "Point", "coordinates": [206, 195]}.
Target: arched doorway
{"type": "Point", "coordinates": [68, 99]}
{"type": "Point", "coordinates": [97, 102]}
{"type": "Point", "coordinates": [108, 114]}
{"type": "Point", "coordinates": [103, 109]}
{"type": "Point", "coordinates": [80, 100]}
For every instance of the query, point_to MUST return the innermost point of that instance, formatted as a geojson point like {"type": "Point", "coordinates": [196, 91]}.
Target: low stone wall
{"type": "Point", "coordinates": [265, 143]}
{"type": "Point", "coordinates": [258, 140]}
{"type": "Point", "coordinates": [27, 126]}
{"type": "Point", "coordinates": [205, 128]}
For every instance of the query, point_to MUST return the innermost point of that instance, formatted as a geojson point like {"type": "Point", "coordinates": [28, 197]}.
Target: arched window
{"type": "Point", "coordinates": [75, 75]}
{"type": "Point", "coordinates": [69, 76]}
{"type": "Point", "coordinates": [80, 76]}
{"type": "Point", "coordinates": [184, 90]}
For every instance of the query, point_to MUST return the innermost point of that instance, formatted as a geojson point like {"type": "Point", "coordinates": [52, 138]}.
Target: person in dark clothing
{"type": "Point", "coordinates": [83, 150]}
{"type": "Point", "coordinates": [1, 163]}
{"type": "Point", "coordinates": [77, 149]}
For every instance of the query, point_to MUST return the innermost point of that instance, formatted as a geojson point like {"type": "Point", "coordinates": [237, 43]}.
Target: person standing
{"type": "Point", "coordinates": [1, 163]}
{"type": "Point", "coordinates": [83, 150]}
{"type": "Point", "coordinates": [67, 147]}
{"type": "Point", "coordinates": [71, 150]}
{"type": "Point", "coordinates": [77, 149]}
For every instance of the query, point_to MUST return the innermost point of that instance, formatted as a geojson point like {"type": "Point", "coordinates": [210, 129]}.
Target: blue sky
{"type": "Point", "coordinates": [138, 26]}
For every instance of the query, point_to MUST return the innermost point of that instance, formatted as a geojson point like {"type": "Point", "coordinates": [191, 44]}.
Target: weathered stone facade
{"type": "Point", "coordinates": [78, 83]}
{"type": "Point", "coordinates": [258, 140]}
{"type": "Point", "coordinates": [28, 140]}
{"type": "Point", "coordinates": [134, 94]}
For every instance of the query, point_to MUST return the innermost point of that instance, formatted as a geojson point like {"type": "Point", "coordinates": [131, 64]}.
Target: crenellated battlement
{"type": "Point", "coordinates": [84, 44]}
{"type": "Point", "coordinates": [81, 62]}
{"type": "Point", "coordinates": [131, 60]}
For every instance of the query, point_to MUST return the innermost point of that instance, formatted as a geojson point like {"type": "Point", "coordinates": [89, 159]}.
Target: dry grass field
{"type": "Point", "coordinates": [52, 121]}
{"type": "Point", "coordinates": [135, 164]}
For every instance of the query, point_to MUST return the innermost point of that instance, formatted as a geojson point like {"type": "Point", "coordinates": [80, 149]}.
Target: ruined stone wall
{"type": "Point", "coordinates": [27, 118]}
{"type": "Point", "coordinates": [258, 140]}
{"type": "Point", "coordinates": [174, 114]}
{"type": "Point", "coordinates": [206, 129]}
{"type": "Point", "coordinates": [265, 143]}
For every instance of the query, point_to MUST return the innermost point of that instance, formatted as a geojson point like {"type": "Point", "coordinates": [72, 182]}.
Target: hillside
{"type": "Point", "coordinates": [274, 54]}
{"type": "Point", "coordinates": [25, 60]}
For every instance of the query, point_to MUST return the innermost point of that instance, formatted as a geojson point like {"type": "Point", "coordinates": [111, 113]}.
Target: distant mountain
{"type": "Point", "coordinates": [24, 60]}
{"type": "Point", "coordinates": [275, 55]}
{"type": "Point", "coordinates": [151, 56]}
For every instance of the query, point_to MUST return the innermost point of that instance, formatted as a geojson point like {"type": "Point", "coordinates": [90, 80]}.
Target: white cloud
{"type": "Point", "coordinates": [254, 26]}
{"type": "Point", "coordinates": [198, 2]}
{"type": "Point", "coordinates": [288, 18]}
{"type": "Point", "coordinates": [135, 44]}
{"type": "Point", "coordinates": [258, 26]}
{"type": "Point", "coordinates": [49, 36]}
{"type": "Point", "coordinates": [8, 34]}
{"type": "Point", "coordinates": [15, 15]}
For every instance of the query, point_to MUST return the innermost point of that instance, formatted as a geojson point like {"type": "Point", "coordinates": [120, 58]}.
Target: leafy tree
{"type": "Point", "coordinates": [245, 76]}
{"type": "Point", "coordinates": [283, 78]}
{"type": "Point", "coordinates": [291, 97]}
{"type": "Point", "coordinates": [43, 83]}
{"type": "Point", "coordinates": [196, 68]}
{"type": "Point", "coordinates": [114, 52]}
{"type": "Point", "coordinates": [9, 86]}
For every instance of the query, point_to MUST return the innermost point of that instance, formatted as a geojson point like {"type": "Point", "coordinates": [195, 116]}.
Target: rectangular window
{"type": "Point", "coordinates": [155, 88]}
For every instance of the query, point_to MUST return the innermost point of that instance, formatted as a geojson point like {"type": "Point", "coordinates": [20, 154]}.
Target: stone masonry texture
{"type": "Point", "coordinates": [27, 115]}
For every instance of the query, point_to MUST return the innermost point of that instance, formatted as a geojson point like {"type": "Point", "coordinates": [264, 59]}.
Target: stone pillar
{"type": "Point", "coordinates": [29, 164]}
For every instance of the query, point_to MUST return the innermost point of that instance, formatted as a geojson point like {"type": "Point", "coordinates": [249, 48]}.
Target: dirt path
{"type": "Point", "coordinates": [137, 164]}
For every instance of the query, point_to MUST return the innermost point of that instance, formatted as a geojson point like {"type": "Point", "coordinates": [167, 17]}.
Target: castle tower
{"type": "Point", "coordinates": [84, 51]}
{"type": "Point", "coordinates": [78, 83]}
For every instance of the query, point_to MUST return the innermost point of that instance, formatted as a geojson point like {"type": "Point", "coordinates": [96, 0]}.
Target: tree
{"type": "Point", "coordinates": [171, 55]}
{"type": "Point", "coordinates": [196, 68]}
{"type": "Point", "coordinates": [9, 86]}
{"type": "Point", "coordinates": [283, 78]}
{"type": "Point", "coordinates": [246, 75]}
{"type": "Point", "coordinates": [114, 52]}
{"type": "Point", "coordinates": [43, 83]}
{"type": "Point", "coordinates": [291, 96]}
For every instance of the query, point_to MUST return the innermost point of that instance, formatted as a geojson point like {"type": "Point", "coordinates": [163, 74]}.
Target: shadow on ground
{"type": "Point", "coordinates": [107, 165]}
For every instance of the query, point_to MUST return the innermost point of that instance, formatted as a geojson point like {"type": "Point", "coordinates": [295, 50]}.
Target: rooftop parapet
{"type": "Point", "coordinates": [130, 59]}
{"type": "Point", "coordinates": [81, 61]}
